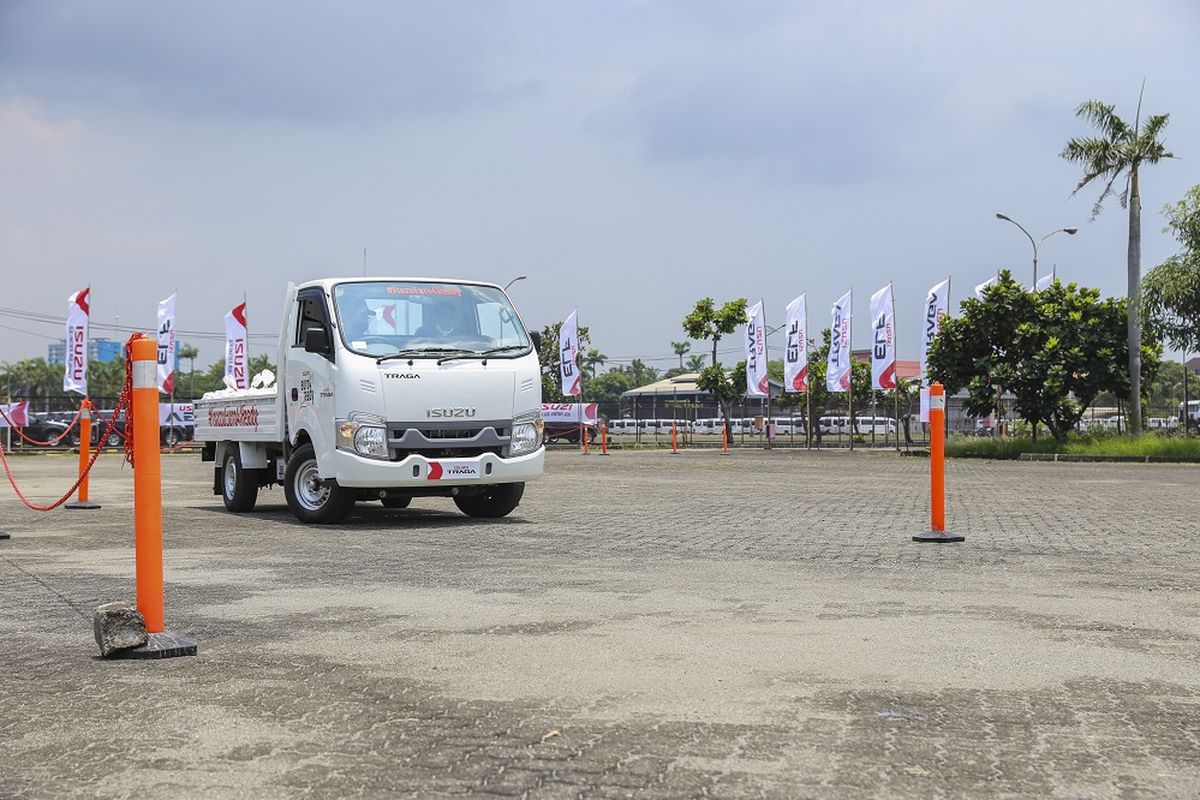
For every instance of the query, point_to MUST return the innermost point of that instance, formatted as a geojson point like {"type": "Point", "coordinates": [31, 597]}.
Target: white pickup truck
{"type": "Point", "coordinates": [389, 389]}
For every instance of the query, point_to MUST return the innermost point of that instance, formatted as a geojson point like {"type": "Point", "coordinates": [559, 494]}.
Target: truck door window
{"type": "Point", "coordinates": [310, 312]}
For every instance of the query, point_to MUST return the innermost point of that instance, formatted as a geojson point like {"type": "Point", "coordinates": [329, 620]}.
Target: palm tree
{"type": "Point", "coordinates": [190, 352]}
{"type": "Point", "coordinates": [593, 359]}
{"type": "Point", "coordinates": [695, 363]}
{"type": "Point", "coordinates": [1119, 151]}
{"type": "Point", "coordinates": [681, 349]}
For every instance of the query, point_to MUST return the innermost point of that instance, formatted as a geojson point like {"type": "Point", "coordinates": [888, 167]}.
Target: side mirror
{"type": "Point", "coordinates": [536, 338]}
{"type": "Point", "coordinates": [316, 340]}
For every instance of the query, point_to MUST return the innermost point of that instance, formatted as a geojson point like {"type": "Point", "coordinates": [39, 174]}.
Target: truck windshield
{"type": "Point", "coordinates": [382, 318]}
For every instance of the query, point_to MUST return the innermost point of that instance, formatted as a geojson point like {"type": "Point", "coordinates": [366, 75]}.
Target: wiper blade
{"type": "Point", "coordinates": [485, 354]}
{"type": "Point", "coordinates": [419, 351]}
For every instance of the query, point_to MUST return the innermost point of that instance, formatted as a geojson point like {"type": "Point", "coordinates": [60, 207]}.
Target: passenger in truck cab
{"type": "Point", "coordinates": [441, 322]}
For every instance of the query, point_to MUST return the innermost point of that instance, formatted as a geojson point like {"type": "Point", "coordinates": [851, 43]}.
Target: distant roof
{"type": "Point", "coordinates": [681, 385]}
{"type": "Point", "coordinates": [684, 383]}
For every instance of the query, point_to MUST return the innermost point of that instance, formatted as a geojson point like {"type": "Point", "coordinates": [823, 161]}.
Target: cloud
{"type": "Point", "coordinates": [777, 105]}
{"type": "Point", "coordinates": [22, 122]}
{"type": "Point", "coordinates": [303, 61]}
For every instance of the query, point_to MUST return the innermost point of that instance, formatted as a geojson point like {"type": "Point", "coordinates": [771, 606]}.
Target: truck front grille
{"type": "Point", "coordinates": [449, 439]}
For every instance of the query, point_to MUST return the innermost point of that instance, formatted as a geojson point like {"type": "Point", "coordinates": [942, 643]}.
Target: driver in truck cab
{"type": "Point", "coordinates": [360, 321]}
{"type": "Point", "coordinates": [441, 321]}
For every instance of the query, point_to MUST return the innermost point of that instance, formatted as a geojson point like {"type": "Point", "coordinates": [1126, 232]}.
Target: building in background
{"type": "Point", "coordinates": [98, 350]}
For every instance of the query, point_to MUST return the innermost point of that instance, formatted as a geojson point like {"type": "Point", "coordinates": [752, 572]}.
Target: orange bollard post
{"type": "Point", "coordinates": [674, 441]}
{"type": "Point", "coordinates": [147, 506]}
{"type": "Point", "coordinates": [583, 436]}
{"type": "Point", "coordinates": [604, 437]}
{"type": "Point", "coordinates": [724, 439]}
{"type": "Point", "coordinates": [85, 456]}
{"type": "Point", "coordinates": [937, 470]}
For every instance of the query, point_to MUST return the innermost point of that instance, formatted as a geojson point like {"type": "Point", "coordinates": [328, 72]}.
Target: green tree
{"type": "Point", "coordinates": [1119, 151]}
{"type": "Point", "coordinates": [593, 359]}
{"type": "Point", "coordinates": [725, 387]}
{"type": "Point", "coordinates": [681, 349]}
{"type": "Point", "coordinates": [1171, 291]}
{"type": "Point", "coordinates": [694, 363]}
{"type": "Point", "coordinates": [610, 386]}
{"type": "Point", "coordinates": [706, 321]}
{"type": "Point", "coordinates": [641, 374]}
{"type": "Point", "coordinates": [1055, 350]}
{"type": "Point", "coordinates": [190, 352]}
{"type": "Point", "coordinates": [33, 379]}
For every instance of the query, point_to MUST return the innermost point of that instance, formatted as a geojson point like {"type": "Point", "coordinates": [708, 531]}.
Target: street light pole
{"type": "Point", "coordinates": [1068, 231]}
{"type": "Point", "coordinates": [514, 280]}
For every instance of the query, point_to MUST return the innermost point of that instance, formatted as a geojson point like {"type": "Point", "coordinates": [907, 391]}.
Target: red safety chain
{"type": "Point", "coordinates": [128, 392]}
{"type": "Point", "coordinates": [53, 441]}
{"type": "Point", "coordinates": [121, 401]}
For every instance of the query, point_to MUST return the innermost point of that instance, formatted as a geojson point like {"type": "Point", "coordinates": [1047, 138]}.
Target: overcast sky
{"type": "Point", "coordinates": [628, 157]}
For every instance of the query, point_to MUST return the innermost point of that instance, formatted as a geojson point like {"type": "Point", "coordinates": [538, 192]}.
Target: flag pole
{"type": "Point", "coordinates": [896, 390]}
{"type": "Point", "coordinates": [767, 419]}
{"type": "Point", "coordinates": [850, 365]}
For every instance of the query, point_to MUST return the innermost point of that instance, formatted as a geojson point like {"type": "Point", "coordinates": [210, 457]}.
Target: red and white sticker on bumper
{"type": "Point", "coordinates": [454, 470]}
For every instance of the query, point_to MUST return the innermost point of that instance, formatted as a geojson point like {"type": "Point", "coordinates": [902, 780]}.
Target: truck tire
{"type": "Point", "coordinates": [493, 502]}
{"type": "Point", "coordinates": [239, 487]}
{"type": "Point", "coordinates": [311, 499]}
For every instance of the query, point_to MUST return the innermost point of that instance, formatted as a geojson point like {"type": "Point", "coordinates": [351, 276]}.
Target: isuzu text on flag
{"type": "Point", "coordinates": [795, 357]}
{"type": "Point", "coordinates": [568, 352]}
{"type": "Point", "coordinates": [756, 353]}
{"type": "Point", "coordinates": [237, 364]}
{"type": "Point", "coordinates": [76, 355]}
{"type": "Point", "coordinates": [883, 346]}
{"type": "Point", "coordinates": [837, 369]}
{"type": "Point", "coordinates": [166, 345]}
{"type": "Point", "coordinates": [937, 306]}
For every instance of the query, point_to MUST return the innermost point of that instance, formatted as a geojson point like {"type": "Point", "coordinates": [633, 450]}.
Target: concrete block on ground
{"type": "Point", "coordinates": [118, 626]}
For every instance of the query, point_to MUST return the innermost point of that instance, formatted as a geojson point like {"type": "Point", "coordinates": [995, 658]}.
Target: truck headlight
{"type": "Point", "coordinates": [526, 433]}
{"type": "Point", "coordinates": [362, 434]}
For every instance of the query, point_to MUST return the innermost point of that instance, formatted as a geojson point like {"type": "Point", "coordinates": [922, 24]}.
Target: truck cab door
{"type": "Point", "coordinates": [309, 380]}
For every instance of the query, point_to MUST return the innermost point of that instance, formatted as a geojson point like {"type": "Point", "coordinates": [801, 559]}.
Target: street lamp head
{"type": "Point", "coordinates": [1071, 231]}
{"type": "Point", "coordinates": [514, 280]}
{"type": "Point", "coordinates": [1001, 216]}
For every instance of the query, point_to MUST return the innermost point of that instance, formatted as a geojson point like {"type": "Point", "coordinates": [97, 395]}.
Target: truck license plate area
{"type": "Point", "coordinates": [454, 470]}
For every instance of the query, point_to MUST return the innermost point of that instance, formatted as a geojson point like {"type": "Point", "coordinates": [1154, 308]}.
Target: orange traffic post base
{"type": "Point", "coordinates": [937, 470]}
{"type": "Point", "coordinates": [674, 441]}
{"type": "Point", "coordinates": [724, 440]}
{"type": "Point", "coordinates": [85, 456]}
{"type": "Point", "coordinates": [604, 438]}
{"type": "Point", "coordinates": [583, 435]}
{"type": "Point", "coordinates": [147, 507]}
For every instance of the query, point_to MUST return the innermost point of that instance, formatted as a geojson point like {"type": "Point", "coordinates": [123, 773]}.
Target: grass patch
{"type": "Point", "coordinates": [1008, 448]}
{"type": "Point", "coordinates": [1164, 446]}
{"type": "Point", "coordinates": [1087, 445]}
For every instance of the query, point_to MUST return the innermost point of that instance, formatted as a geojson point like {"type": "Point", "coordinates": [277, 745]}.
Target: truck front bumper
{"type": "Point", "coordinates": [354, 471]}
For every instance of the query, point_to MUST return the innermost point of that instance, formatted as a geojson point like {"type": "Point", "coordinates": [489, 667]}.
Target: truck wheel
{"type": "Point", "coordinates": [493, 501]}
{"type": "Point", "coordinates": [171, 437]}
{"type": "Point", "coordinates": [311, 499]}
{"type": "Point", "coordinates": [114, 439]}
{"type": "Point", "coordinates": [396, 501]}
{"type": "Point", "coordinates": [239, 487]}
